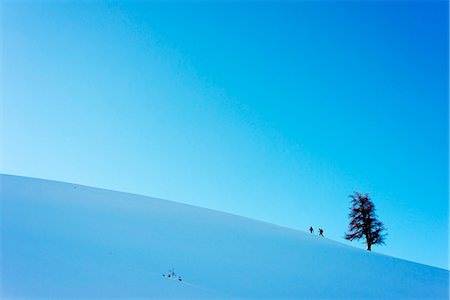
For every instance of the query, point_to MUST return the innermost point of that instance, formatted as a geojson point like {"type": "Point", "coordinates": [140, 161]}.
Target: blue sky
{"type": "Point", "coordinates": [275, 111]}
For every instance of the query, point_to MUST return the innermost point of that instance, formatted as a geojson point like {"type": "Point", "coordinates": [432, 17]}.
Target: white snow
{"type": "Point", "coordinates": [61, 240]}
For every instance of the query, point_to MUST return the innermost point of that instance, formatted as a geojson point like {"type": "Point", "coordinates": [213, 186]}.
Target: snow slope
{"type": "Point", "coordinates": [63, 240]}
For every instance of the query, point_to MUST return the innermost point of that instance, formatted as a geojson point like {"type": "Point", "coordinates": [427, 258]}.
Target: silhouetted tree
{"type": "Point", "coordinates": [364, 222]}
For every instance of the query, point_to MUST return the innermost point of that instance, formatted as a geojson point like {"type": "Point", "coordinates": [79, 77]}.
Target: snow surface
{"type": "Point", "coordinates": [61, 240]}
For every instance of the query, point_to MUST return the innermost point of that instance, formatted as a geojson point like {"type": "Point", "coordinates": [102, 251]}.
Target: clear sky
{"type": "Point", "coordinates": [275, 111]}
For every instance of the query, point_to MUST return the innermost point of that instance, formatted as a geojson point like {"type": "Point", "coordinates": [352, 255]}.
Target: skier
{"type": "Point", "coordinates": [320, 231]}
{"type": "Point", "coordinates": [311, 229]}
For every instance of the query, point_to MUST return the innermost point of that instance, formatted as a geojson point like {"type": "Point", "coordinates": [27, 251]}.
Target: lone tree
{"type": "Point", "coordinates": [364, 222]}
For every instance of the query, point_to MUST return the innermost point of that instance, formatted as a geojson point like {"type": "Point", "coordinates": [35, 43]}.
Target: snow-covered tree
{"type": "Point", "coordinates": [364, 222]}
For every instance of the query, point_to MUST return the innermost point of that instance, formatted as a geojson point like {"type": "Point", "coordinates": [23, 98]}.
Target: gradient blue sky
{"type": "Point", "coordinates": [275, 111]}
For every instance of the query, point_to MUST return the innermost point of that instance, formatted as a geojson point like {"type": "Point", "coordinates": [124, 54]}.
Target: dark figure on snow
{"type": "Point", "coordinates": [311, 229]}
{"type": "Point", "coordinates": [320, 231]}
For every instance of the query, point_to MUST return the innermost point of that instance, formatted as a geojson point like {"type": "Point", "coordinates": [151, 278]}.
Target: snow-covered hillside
{"type": "Point", "coordinates": [63, 240]}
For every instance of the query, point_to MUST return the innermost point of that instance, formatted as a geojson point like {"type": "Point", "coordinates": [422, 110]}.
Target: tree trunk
{"type": "Point", "coordinates": [369, 241]}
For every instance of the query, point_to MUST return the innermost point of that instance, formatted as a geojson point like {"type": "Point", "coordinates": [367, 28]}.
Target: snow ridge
{"type": "Point", "coordinates": [61, 240]}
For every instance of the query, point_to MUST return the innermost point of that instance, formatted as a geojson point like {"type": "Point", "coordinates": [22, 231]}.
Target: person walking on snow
{"type": "Point", "coordinates": [311, 229]}
{"type": "Point", "coordinates": [320, 231]}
